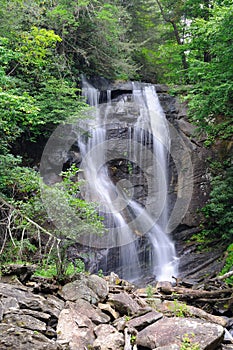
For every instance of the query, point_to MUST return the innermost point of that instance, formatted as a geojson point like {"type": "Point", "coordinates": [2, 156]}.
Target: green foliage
{"type": "Point", "coordinates": [72, 206]}
{"type": "Point", "coordinates": [133, 339]}
{"type": "Point", "coordinates": [210, 100]}
{"type": "Point", "coordinates": [18, 111]}
{"type": "Point", "coordinates": [228, 264]}
{"type": "Point", "coordinates": [149, 291]}
{"type": "Point", "coordinates": [36, 45]}
{"type": "Point", "coordinates": [41, 100]}
{"type": "Point", "coordinates": [179, 309]}
{"type": "Point", "coordinates": [17, 251]}
{"type": "Point", "coordinates": [21, 185]}
{"type": "Point", "coordinates": [49, 269]}
{"type": "Point", "coordinates": [219, 209]}
{"type": "Point", "coordinates": [100, 273]}
{"type": "Point", "coordinates": [187, 343]}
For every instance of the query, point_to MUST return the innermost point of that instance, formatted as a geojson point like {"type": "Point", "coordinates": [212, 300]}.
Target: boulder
{"type": "Point", "coordinates": [22, 271]}
{"type": "Point", "coordinates": [74, 329]}
{"type": "Point", "coordinates": [91, 288]}
{"type": "Point", "coordinates": [174, 331]}
{"type": "Point", "coordinates": [53, 305]}
{"type": "Point", "coordinates": [6, 304]}
{"type": "Point", "coordinates": [108, 309]}
{"type": "Point", "coordinates": [144, 320]}
{"type": "Point", "coordinates": [175, 307]}
{"type": "Point", "coordinates": [15, 338]}
{"type": "Point", "coordinates": [92, 312]}
{"type": "Point", "coordinates": [25, 321]}
{"type": "Point", "coordinates": [22, 296]}
{"type": "Point", "coordinates": [108, 338]}
{"type": "Point", "coordinates": [124, 303]}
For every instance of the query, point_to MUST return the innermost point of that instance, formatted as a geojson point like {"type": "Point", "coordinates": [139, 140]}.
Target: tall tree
{"type": "Point", "coordinates": [172, 12]}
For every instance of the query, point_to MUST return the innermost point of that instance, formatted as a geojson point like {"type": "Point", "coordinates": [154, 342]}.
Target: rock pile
{"type": "Point", "coordinates": [101, 314]}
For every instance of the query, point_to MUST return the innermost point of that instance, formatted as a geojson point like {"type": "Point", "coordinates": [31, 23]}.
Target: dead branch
{"type": "Point", "coordinates": [9, 214]}
{"type": "Point", "coordinates": [223, 277]}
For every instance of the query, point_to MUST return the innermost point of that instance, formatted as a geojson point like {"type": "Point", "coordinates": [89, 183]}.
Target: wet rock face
{"type": "Point", "coordinates": [184, 137]}
{"type": "Point", "coordinates": [134, 179]}
{"type": "Point", "coordinates": [120, 129]}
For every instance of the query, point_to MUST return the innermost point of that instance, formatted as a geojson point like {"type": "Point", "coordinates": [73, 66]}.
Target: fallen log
{"type": "Point", "coordinates": [189, 294]}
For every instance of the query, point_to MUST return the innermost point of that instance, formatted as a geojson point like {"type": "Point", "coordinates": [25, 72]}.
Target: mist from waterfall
{"type": "Point", "coordinates": [126, 219]}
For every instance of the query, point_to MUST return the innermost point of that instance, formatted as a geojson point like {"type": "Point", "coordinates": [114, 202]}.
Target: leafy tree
{"type": "Point", "coordinates": [94, 37]}
{"type": "Point", "coordinates": [211, 97]}
{"type": "Point", "coordinates": [17, 110]}
{"type": "Point", "coordinates": [148, 34]}
{"type": "Point", "coordinates": [172, 13]}
{"type": "Point", "coordinates": [219, 209]}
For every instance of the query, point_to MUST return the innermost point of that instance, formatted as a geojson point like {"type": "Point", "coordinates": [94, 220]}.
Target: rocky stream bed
{"type": "Point", "coordinates": [107, 313]}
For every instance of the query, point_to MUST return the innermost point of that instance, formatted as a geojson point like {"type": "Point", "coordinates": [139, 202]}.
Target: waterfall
{"type": "Point", "coordinates": [129, 222]}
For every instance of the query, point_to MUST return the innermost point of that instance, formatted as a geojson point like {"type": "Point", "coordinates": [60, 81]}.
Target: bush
{"type": "Point", "coordinates": [219, 209]}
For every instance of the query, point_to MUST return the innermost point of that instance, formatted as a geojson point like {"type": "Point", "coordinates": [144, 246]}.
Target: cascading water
{"type": "Point", "coordinates": [126, 219]}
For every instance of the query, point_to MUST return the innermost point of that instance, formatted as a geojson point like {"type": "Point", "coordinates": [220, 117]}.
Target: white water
{"type": "Point", "coordinates": [150, 127]}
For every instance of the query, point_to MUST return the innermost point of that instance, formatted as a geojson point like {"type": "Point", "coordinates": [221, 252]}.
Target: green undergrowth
{"type": "Point", "coordinates": [188, 344]}
{"type": "Point", "coordinates": [180, 309]}
{"type": "Point", "coordinates": [49, 270]}
{"type": "Point", "coordinates": [228, 264]}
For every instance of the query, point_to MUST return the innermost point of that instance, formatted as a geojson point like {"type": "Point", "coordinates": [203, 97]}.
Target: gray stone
{"type": "Point", "coordinates": [161, 88]}
{"type": "Point", "coordinates": [53, 305]}
{"type": "Point", "coordinates": [78, 290]}
{"type": "Point", "coordinates": [169, 347]}
{"type": "Point", "coordinates": [91, 288]}
{"type": "Point", "coordinates": [124, 303]}
{"type": "Point", "coordinates": [107, 307]}
{"type": "Point", "coordinates": [25, 321]}
{"type": "Point", "coordinates": [92, 312]}
{"type": "Point", "coordinates": [74, 329]}
{"type": "Point", "coordinates": [1, 311]}
{"type": "Point", "coordinates": [120, 323]}
{"type": "Point", "coordinates": [187, 128]}
{"type": "Point", "coordinates": [171, 331]}
{"type": "Point", "coordinates": [9, 303]}
{"type": "Point", "coordinates": [98, 285]}
{"type": "Point", "coordinates": [15, 338]}
{"type": "Point", "coordinates": [36, 314]}
{"type": "Point", "coordinates": [24, 297]}
{"type": "Point", "coordinates": [108, 338]}
{"type": "Point", "coordinates": [144, 320]}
